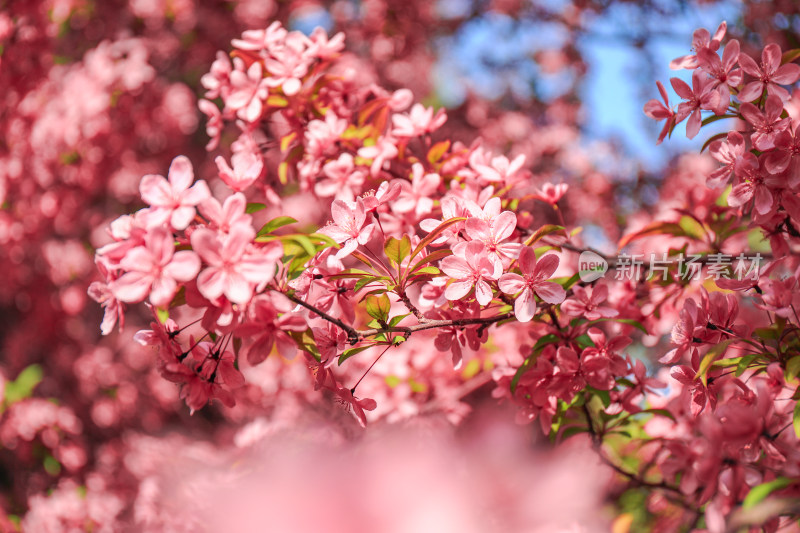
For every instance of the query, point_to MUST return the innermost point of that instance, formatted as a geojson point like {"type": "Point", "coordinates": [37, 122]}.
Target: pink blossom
{"type": "Point", "coordinates": [658, 111]}
{"type": "Point", "coordinates": [532, 281]}
{"type": "Point", "coordinates": [770, 75]}
{"type": "Point", "coordinates": [258, 40]}
{"type": "Point", "coordinates": [586, 302]}
{"type": "Point", "coordinates": [492, 232]}
{"type": "Point", "coordinates": [154, 269]}
{"type": "Point", "coordinates": [727, 152]}
{"type": "Point", "coordinates": [173, 200]}
{"type": "Point", "coordinates": [786, 155]}
{"type": "Point", "coordinates": [325, 48]}
{"type": "Point", "coordinates": [247, 168]}
{"type": "Point", "coordinates": [417, 196]}
{"type": "Point", "coordinates": [235, 268]}
{"type": "Point", "coordinates": [265, 329]}
{"type": "Point", "coordinates": [340, 179]}
{"type": "Point", "coordinates": [287, 65]}
{"type": "Point", "coordinates": [355, 405]}
{"type": "Point", "coordinates": [331, 342]}
{"type": "Point", "coordinates": [701, 95]}
{"type": "Point", "coordinates": [380, 154]}
{"type": "Point", "coordinates": [214, 123]}
{"type": "Point", "coordinates": [751, 184]}
{"type": "Point", "coordinates": [701, 39]}
{"type": "Point", "coordinates": [472, 269]}
{"type": "Point", "coordinates": [231, 213]}
{"type": "Point", "coordinates": [248, 92]}
{"type": "Point", "coordinates": [419, 121]}
{"type": "Point", "coordinates": [100, 292]}
{"type": "Point", "coordinates": [768, 124]}
{"type": "Point", "coordinates": [552, 193]}
{"type": "Point", "coordinates": [348, 226]}
{"type": "Point", "coordinates": [499, 169]}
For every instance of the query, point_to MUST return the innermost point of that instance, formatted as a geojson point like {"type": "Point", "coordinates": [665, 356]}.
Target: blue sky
{"type": "Point", "coordinates": [491, 54]}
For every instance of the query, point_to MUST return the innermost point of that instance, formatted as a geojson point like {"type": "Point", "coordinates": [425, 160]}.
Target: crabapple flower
{"type": "Point", "coordinates": [356, 405]}
{"type": "Point", "coordinates": [471, 269]}
{"type": "Point", "coordinates": [266, 329]}
{"type": "Point", "coordinates": [341, 179]}
{"type": "Point", "coordinates": [154, 269]}
{"type": "Point", "coordinates": [234, 269]}
{"type": "Point", "coordinates": [417, 196]}
{"type": "Point", "coordinates": [419, 121]}
{"type": "Point", "coordinates": [751, 186]}
{"type": "Point", "coordinates": [532, 280]}
{"type": "Point", "coordinates": [247, 168]}
{"type": "Point", "coordinates": [172, 200]}
{"type": "Point", "coordinates": [586, 302]}
{"type": "Point", "coordinates": [499, 169]}
{"type": "Point", "coordinates": [766, 125]}
{"type": "Point", "coordinates": [249, 91]}
{"type": "Point", "coordinates": [786, 155]}
{"type": "Point", "coordinates": [727, 152]}
{"type": "Point", "coordinates": [258, 40]}
{"type": "Point", "coordinates": [214, 123]}
{"type": "Point", "coordinates": [701, 39]}
{"type": "Point", "coordinates": [492, 233]}
{"type": "Point", "coordinates": [551, 193]}
{"type": "Point", "coordinates": [701, 95]}
{"type": "Point", "coordinates": [770, 75]}
{"type": "Point", "coordinates": [380, 153]}
{"type": "Point", "coordinates": [325, 48]}
{"type": "Point", "coordinates": [331, 341]}
{"type": "Point", "coordinates": [231, 213]}
{"type": "Point", "coordinates": [101, 293]}
{"type": "Point", "coordinates": [289, 64]}
{"type": "Point", "coordinates": [348, 226]}
{"type": "Point", "coordinates": [658, 111]}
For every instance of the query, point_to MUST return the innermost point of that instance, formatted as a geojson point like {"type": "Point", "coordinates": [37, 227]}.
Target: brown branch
{"type": "Point", "coordinates": [597, 444]}
{"type": "Point", "coordinates": [354, 335]}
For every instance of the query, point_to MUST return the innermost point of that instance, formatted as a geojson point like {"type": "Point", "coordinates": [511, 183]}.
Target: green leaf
{"type": "Point", "coordinates": [796, 419]}
{"type": "Point", "coordinates": [347, 354]}
{"type": "Point", "coordinates": [363, 282]}
{"type": "Point", "coordinates": [714, 118]}
{"type": "Point", "coordinates": [711, 139]}
{"type": "Point", "coordinates": [162, 314]}
{"type": "Point", "coordinates": [709, 358]}
{"type": "Point", "coordinates": [659, 412]}
{"type": "Point", "coordinates": [378, 307]}
{"type": "Point", "coordinates": [397, 319]}
{"type": "Point", "coordinates": [397, 249]}
{"type": "Point", "coordinates": [430, 270]}
{"type": "Point", "coordinates": [324, 238]}
{"type": "Point", "coordinates": [656, 228]}
{"type": "Point", "coordinates": [432, 236]}
{"type": "Point", "coordinates": [790, 55]}
{"type": "Point", "coordinates": [274, 224]}
{"type": "Point", "coordinates": [744, 364]}
{"type": "Point", "coordinates": [431, 257]}
{"type": "Point", "coordinates": [544, 231]}
{"type": "Point", "coordinates": [254, 207]}
{"type": "Point", "coordinates": [23, 386]}
{"type": "Point", "coordinates": [437, 151]}
{"type": "Point", "coordinates": [793, 368]}
{"type": "Point", "coordinates": [758, 493]}
{"type": "Point", "coordinates": [567, 282]}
